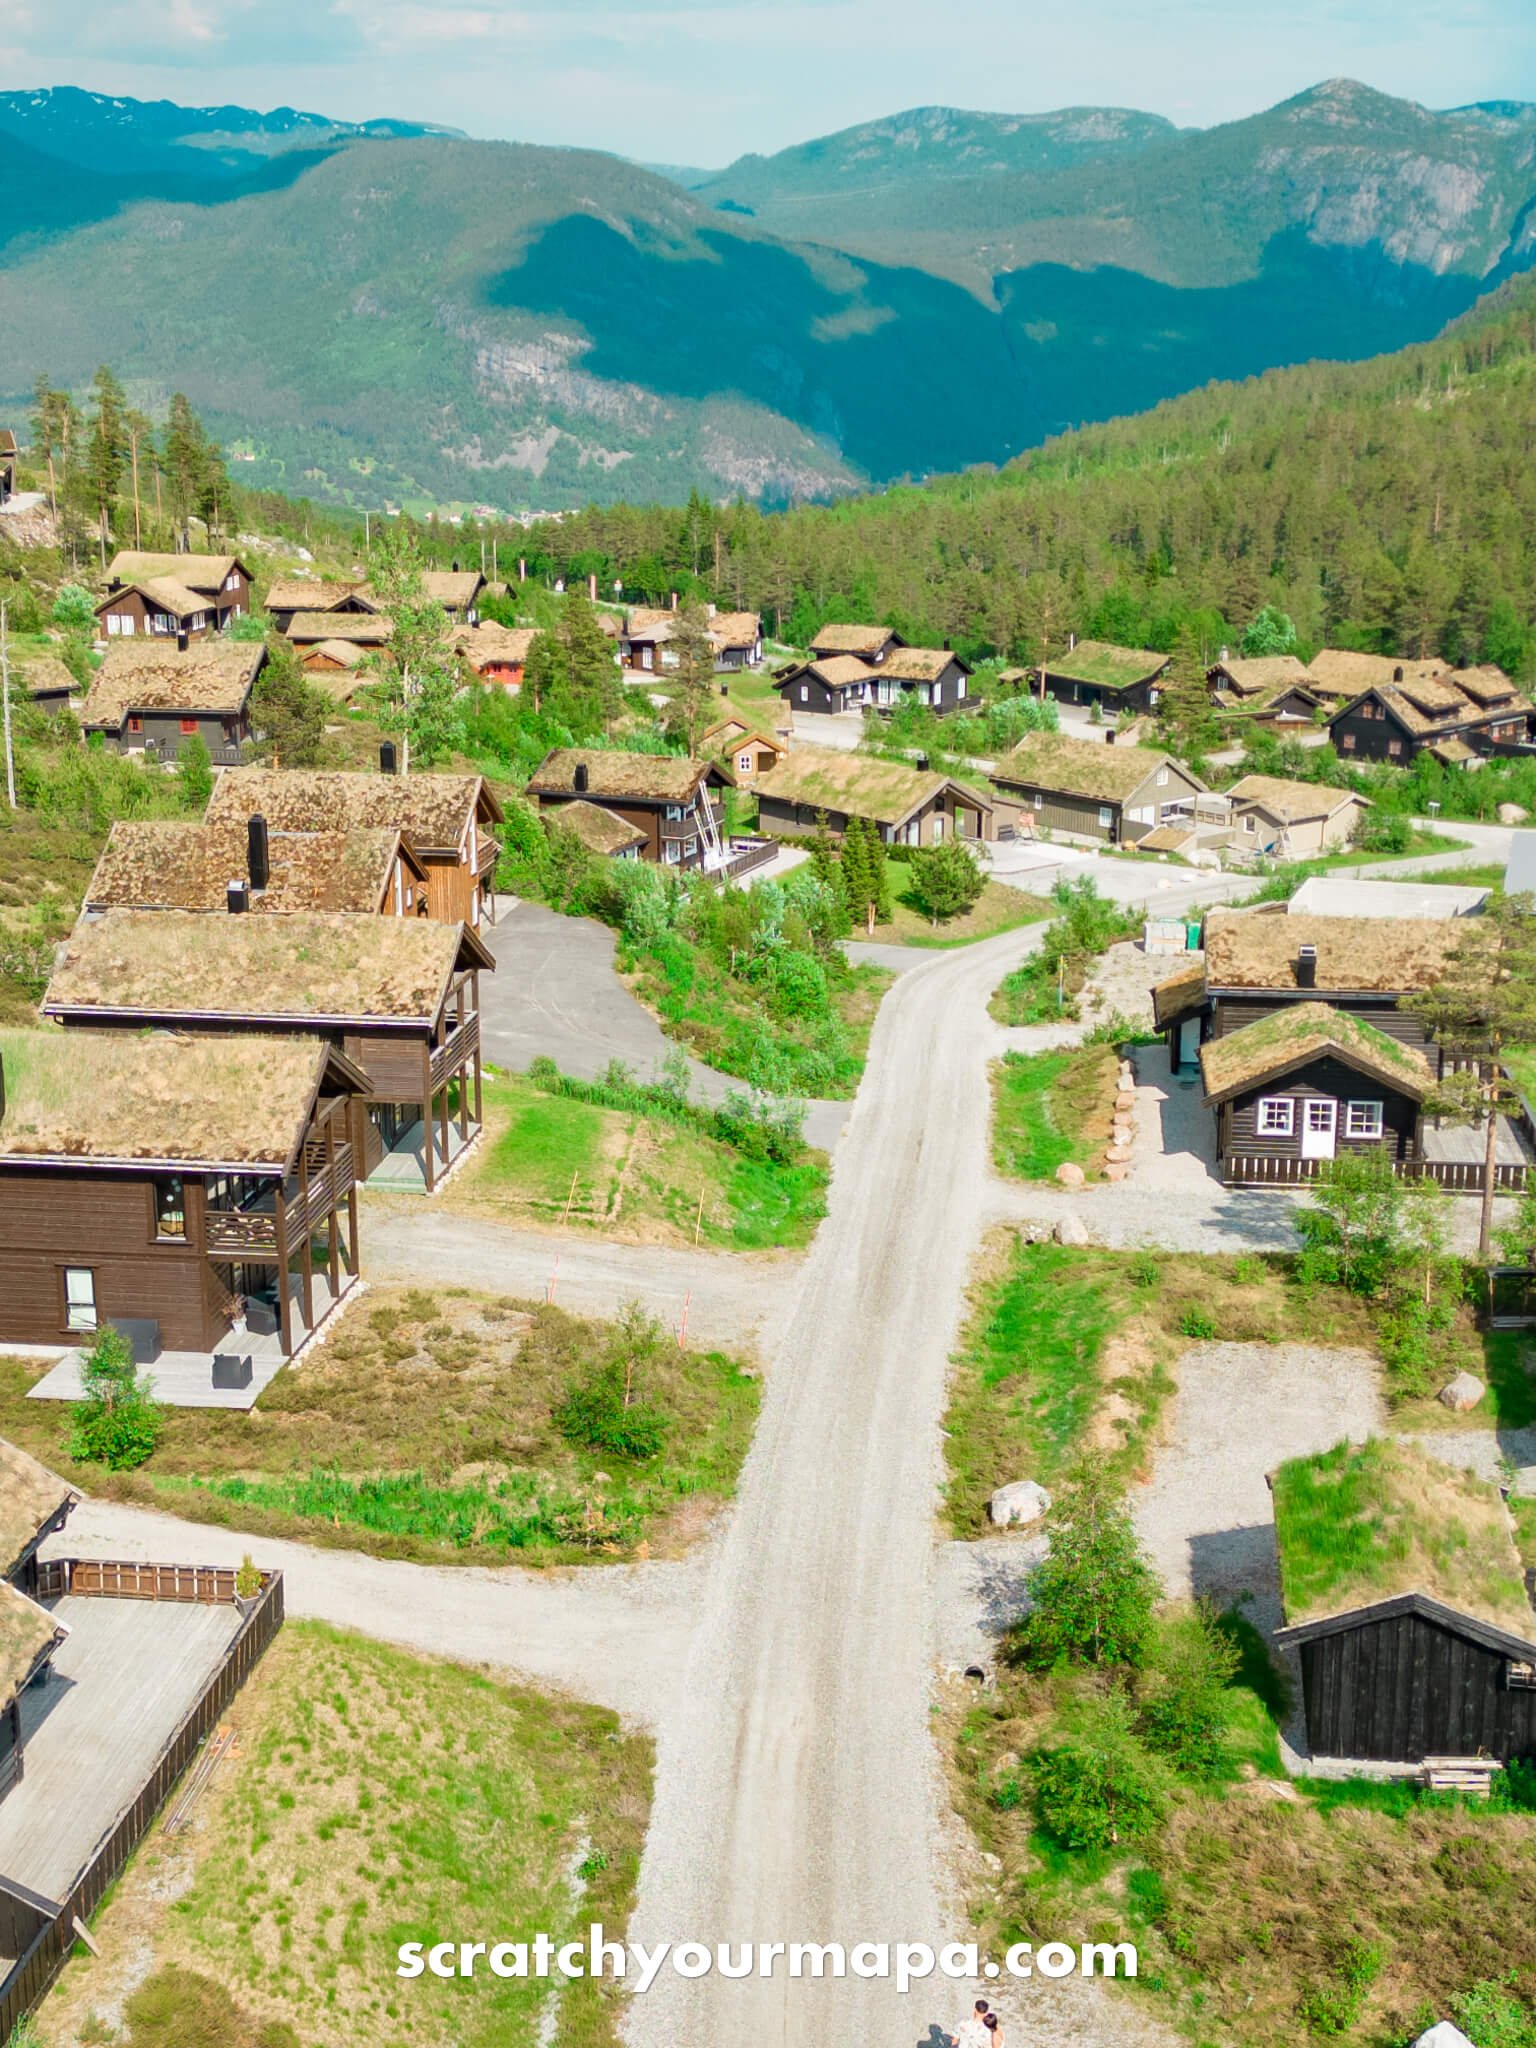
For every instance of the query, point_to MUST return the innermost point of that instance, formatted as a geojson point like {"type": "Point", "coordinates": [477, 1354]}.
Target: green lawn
{"type": "Point", "coordinates": [553, 1161]}
{"type": "Point", "coordinates": [374, 1798]}
{"type": "Point", "coordinates": [1419, 844]}
{"type": "Point", "coordinates": [998, 909]}
{"type": "Point", "coordinates": [427, 1426]}
{"type": "Point", "coordinates": [1050, 1108]}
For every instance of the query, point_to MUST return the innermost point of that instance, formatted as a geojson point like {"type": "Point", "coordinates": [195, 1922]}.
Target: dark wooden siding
{"type": "Point", "coordinates": [819, 696]}
{"type": "Point", "coordinates": [1330, 1078]}
{"type": "Point", "coordinates": [1057, 813]}
{"type": "Point", "coordinates": [161, 731]}
{"type": "Point", "coordinates": [1403, 1687]}
{"type": "Point", "coordinates": [1231, 1013]}
{"type": "Point", "coordinates": [1071, 690]}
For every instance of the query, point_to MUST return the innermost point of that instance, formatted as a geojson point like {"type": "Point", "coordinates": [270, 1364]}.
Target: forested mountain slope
{"type": "Point", "coordinates": [1387, 504]}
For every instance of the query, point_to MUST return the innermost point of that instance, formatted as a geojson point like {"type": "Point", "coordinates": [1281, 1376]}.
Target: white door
{"type": "Point", "coordinates": [1189, 1042]}
{"type": "Point", "coordinates": [1319, 1125]}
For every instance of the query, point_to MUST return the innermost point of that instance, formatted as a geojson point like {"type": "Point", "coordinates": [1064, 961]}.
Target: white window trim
{"type": "Point", "coordinates": [1371, 1119]}
{"type": "Point", "coordinates": [1275, 1116]}
{"type": "Point", "coordinates": [80, 1304]}
{"type": "Point", "coordinates": [1106, 817]}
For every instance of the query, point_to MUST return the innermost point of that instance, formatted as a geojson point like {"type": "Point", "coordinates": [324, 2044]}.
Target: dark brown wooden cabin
{"type": "Point", "coordinates": [400, 998]}
{"type": "Point", "coordinates": [183, 864]}
{"type": "Point", "coordinates": [870, 644]}
{"type": "Point", "coordinates": [1096, 789]}
{"type": "Point", "coordinates": [34, 1504]}
{"type": "Point", "coordinates": [737, 638]}
{"type": "Point", "coordinates": [1430, 1650]}
{"type": "Point", "coordinates": [932, 675]}
{"type": "Point", "coordinates": [289, 596]}
{"type": "Point", "coordinates": [7, 463]}
{"type": "Point", "coordinates": [154, 699]}
{"type": "Point", "coordinates": [1398, 720]}
{"type": "Point", "coordinates": [167, 1179]}
{"type": "Point", "coordinates": [671, 800]}
{"type": "Point", "coordinates": [908, 805]}
{"type": "Point", "coordinates": [827, 685]}
{"type": "Point", "coordinates": [449, 821]}
{"type": "Point", "coordinates": [1120, 679]}
{"type": "Point", "coordinates": [175, 597]}
{"type": "Point", "coordinates": [1306, 1084]}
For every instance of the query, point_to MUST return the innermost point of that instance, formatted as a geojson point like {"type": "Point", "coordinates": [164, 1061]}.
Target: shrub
{"type": "Point", "coordinates": [612, 1406]}
{"type": "Point", "coordinates": [195, 768]}
{"type": "Point", "coordinates": [1195, 1322]}
{"type": "Point", "coordinates": [1492, 2016]}
{"type": "Point", "coordinates": [247, 1579]}
{"type": "Point", "coordinates": [1099, 1788]}
{"type": "Point", "coordinates": [799, 985]}
{"type": "Point", "coordinates": [1334, 2008]}
{"type": "Point", "coordinates": [1182, 1705]}
{"type": "Point", "coordinates": [117, 1422]}
{"type": "Point", "coordinates": [1093, 1592]}
{"type": "Point", "coordinates": [946, 881]}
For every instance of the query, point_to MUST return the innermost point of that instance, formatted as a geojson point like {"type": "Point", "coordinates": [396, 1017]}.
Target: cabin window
{"type": "Point", "coordinates": [232, 581]}
{"type": "Point", "coordinates": [744, 764]}
{"type": "Point", "coordinates": [690, 846]}
{"type": "Point", "coordinates": [1036, 801]}
{"type": "Point", "coordinates": [1106, 816]}
{"type": "Point", "coordinates": [1250, 823]}
{"type": "Point", "coordinates": [1349, 742]}
{"type": "Point", "coordinates": [804, 693]}
{"type": "Point", "coordinates": [960, 690]}
{"type": "Point", "coordinates": [164, 623]}
{"type": "Point", "coordinates": [646, 657]}
{"type": "Point", "coordinates": [189, 725]}
{"type": "Point", "coordinates": [1277, 1116]}
{"type": "Point", "coordinates": [674, 814]}
{"type": "Point", "coordinates": [1394, 747]}
{"type": "Point", "coordinates": [79, 1298]}
{"type": "Point", "coordinates": [114, 624]}
{"type": "Point", "coordinates": [170, 1207]}
{"type": "Point", "coordinates": [1362, 1120]}
{"type": "Point", "coordinates": [135, 724]}
{"type": "Point", "coordinates": [1520, 1677]}
{"type": "Point", "coordinates": [672, 853]}
{"type": "Point", "coordinates": [1162, 778]}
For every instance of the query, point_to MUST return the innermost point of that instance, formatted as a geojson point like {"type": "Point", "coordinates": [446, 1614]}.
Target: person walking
{"type": "Point", "coordinates": [993, 2035]}
{"type": "Point", "coordinates": [972, 2032]}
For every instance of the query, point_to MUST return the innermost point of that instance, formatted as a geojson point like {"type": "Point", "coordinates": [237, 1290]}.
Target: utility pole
{"type": "Point", "coordinates": [367, 532]}
{"type": "Point", "coordinates": [5, 699]}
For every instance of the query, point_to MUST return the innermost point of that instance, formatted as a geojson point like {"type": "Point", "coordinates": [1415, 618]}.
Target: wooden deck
{"type": "Point", "coordinates": [119, 1687]}
{"type": "Point", "coordinates": [1465, 1144]}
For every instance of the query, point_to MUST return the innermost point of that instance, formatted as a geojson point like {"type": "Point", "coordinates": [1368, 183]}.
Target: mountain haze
{"type": "Point", "coordinates": [387, 312]}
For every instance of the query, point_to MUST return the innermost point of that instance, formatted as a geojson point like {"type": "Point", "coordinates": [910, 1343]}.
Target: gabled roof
{"type": "Point", "coordinates": [1484, 684]}
{"type": "Point", "coordinates": [30, 1498]}
{"type": "Point", "coordinates": [735, 629]}
{"type": "Point", "coordinates": [27, 1633]}
{"type": "Point", "coordinates": [312, 594]}
{"type": "Point", "coordinates": [1180, 994]}
{"type": "Point", "coordinates": [160, 594]}
{"type": "Point", "coordinates": [7, 441]}
{"type": "Point", "coordinates": [648, 622]}
{"type": "Point", "coordinates": [44, 675]}
{"type": "Point", "coordinates": [153, 864]}
{"type": "Point", "coordinates": [363, 629]}
{"type": "Point", "coordinates": [1295, 1036]}
{"type": "Point", "coordinates": [490, 642]}
{"type": "Point", "coordinates": [835, 638]}
{"type": "Point", "coordinates": [320, 966]}
{"type": "Point", "coordinates": [1380, 1522]}
{"type": "Point", "coordinates": [189, 1101]}
{"type": "Point", "coordinates": [1437, 707]}
{"type": "Point", "coordinates": [598, 830]}
{"type": "Point", "coordinates": [1086, 768]}
{"type": "Point", "coordinates": [1296, 802]}
{"type": "Point", "coordinates": [1344, 672]}
{"type": "Point", "coordinates": [433, 811]}
{"type": "Point", "coordinates": [919, 664]}
{"type": "Point", "coordinates": [452, 588]}
{"type": "Point", "coordinates": [206, 573]}
{"type": "Point", "coordinates": [1112, 668]}
{"type": "Point", "coordinates": [1264, 675]}
{"type": "Point", "coordinates": [645, 778]}
{"type": "Point", "coordinates": [1364, 955]}
{"type": "Point", "coordinates": [740, 734]}
{"type": "Point", "coordinates": [836, 671]}
{"type": "Point", "coordinates": [858, 785]}
{"type": "Point", "coordinates": [345, 654]}
{"type": "Point", "coordinates": [214, 677]}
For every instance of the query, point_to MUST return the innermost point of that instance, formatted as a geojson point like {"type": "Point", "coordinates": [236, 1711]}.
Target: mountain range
{"type": "Point", "coordinates": [389, 311]}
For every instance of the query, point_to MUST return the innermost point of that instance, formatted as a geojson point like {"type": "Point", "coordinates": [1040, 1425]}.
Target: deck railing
{"type": "Point", "coordinates": [455, 1052]}
{"type": "Point", "coordinates": [1457, 1176]}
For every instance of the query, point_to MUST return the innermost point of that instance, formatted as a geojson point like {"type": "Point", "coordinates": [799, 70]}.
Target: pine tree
{"type": "Point", "coordinates": [106, 451]}
{"type": "Point", "coordinates": [592, 694]}
{"type": "Point", "coordinates": [879, 876]}
{"type": "Point", "coordinates": [694, 676]}
{"type": "Point", "coordinates": [183, 457]}
{"type": "Point", "coordinates": [1184, 707]}
{"type": "Point", "coordinates": [853, 869]}
{"type": "Point", "coordinates": [418, 664]}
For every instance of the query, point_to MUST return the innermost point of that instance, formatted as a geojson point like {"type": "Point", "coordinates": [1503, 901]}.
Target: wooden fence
{"type": "Point", "coordinates": [31, 1976]}
{"type": "Point", "coordinates": [1460, 1176]}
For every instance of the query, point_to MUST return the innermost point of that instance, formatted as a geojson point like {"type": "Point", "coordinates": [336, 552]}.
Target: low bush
{"type": "Point", "coordinates": [1099, 1787]}
{"type": "Point", "coordinates": [116, 1423]}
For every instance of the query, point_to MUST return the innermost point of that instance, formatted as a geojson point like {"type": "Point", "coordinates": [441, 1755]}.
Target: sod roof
{"type": "Point", "coordinates": [360, 629]}
{"type": "Point", "coordinates": [1180, 993]}
{"type": "Point", "coordinates": [837, 671]}
{"type": "Point", "coordinates": [7, 441]}
{"type": "Point", "coordinates": [213, 677]}
{"type": "Point", "coordinates": [598, 830]}
{"type": "Point", "coordinates": [857, 785]}
{"type": "Point", "coordinates": [1372, 955]}
{"type": "Point", "coordinates": [1343, 672]}
{"type": "Point", "coordinates": [186, 1100]}
{"type": "Point", "coordinates": [1300, 1033]}
{"type": "Point", "coordinates": [735, 629]}
{"type": "Point", "coordinates": [30, 1497]}
{"type": "Point", "coordinates": [44, 675]}
{"type": "Point", "coordinates": [648, 622]}
{"type": "Point", "coordinates": [341, 654]}
{"type": "Point", "coordinates": [917, 664]}
{"type": "Point", "coordinates": [1263, 675]}
{"type": "Point", "coordinates": [319, 965]}
{"type": "Point", "coordinates": [850, 639]}
{"type": "Point", "coordinates": [1297, 800]}
{"type": "Point", "coordinates": [1484, 684]}
{"type": "Point", "coordinates": [310, 594]}
{"type": "Point", "coordinates": [490, 642]}
{"type": "Point", "coordinates": [26, 1631]}
{"type": "Point", "coordinates": [452, 588]}
{"type": "Point", "coordinates": [1112, 668]}
{"type": "Point", "coordinates": [180, 865]}
{"type": "Point", "coordinates": [1368, 1522]}
{"type": "Point", "coordinates": [643, 778]}
{"type": "Point", "coordinates": [1087, 768]}
{"type": "Point", "coordinates": [162, 594]}
{"type": "Point", "coordinates": [196, 572]}
{"type": "Point", "coordinates": [433, 811]}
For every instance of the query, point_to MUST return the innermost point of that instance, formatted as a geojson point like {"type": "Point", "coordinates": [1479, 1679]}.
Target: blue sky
{"type": "Point", "coordinates": [703, 81]}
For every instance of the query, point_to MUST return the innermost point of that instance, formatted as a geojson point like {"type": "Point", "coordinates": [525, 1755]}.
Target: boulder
{"type": "Point", "coordinates": [1116, 1172]}
{"type": "Point", "coordinates": [1072, 1230]}
{"type": "Point", "coordinates": [1463, 1392]}
{"type": "Point", "coordinates": [1121, 1130]}
{"type": "Point", "coordinates": [1034, 1232]}
{"type": "Point", "coordinates": [1118, 1155]}
{"type": "Point", "coordinates": [1070, 1174]}
{"type": "Point", "coordinates": [1442, 2035]}
{"type": "Point", "coordinates": [1126, 1099]}
{"type": "Point", "coordinates": [1509, 814]}
{"type": "Point", "coordinates": [1018, 1504]}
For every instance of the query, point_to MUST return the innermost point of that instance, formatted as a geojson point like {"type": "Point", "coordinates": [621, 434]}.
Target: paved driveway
{"type": "Point", "coordinates": [555, 991]}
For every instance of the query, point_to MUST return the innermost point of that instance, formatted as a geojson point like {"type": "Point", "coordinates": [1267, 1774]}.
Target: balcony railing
{"type": "Point", "coordinates": [455, 1052]}
{"type": "Point", "coordinates": [252, 1233]}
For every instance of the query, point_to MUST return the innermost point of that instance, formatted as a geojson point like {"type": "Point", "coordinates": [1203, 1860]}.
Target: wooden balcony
{"type": "Point", "coordinates": [454, 1054]}
{"type": "Point", "coordinates": [253, 1233]}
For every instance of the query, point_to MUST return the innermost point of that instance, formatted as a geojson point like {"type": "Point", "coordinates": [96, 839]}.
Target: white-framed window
{"type": "Point", "coordinates": [647, 657]}
{"type": "Point", "coordinates": [114, 625]}
{"type": "Point", "coordinates": [232, 580]}
{"type": "Point", "coordinates": [744, 764]}
{"type": "Point", "coordinates": [804, 692]}
{"type": "Point", "coordinates": [1142, 815]}
{"type": "Point", "coordinates": [1037, 801]}
{"type": "Point", "coordinates": [690, 846]}
{"type": "Point", "coordinates": [1276, 1116]}
{"type": "Point", "coordinates": [1362, 1119]}
{"type": "Point", "coordinates": [1162, 778]}
{"type": "Point", "coordinates": [1250, 823]}
{"type": "Point", "coordinates": [1106, 816]}
{"type": "Point", "coordinates": [674, 814]}
{"type": "Point", "coordinates": [960, 690]}
{"type": "Point", "coordinates": [79, 1298]}
{"type": "Point", "coordinates": [671, 853]}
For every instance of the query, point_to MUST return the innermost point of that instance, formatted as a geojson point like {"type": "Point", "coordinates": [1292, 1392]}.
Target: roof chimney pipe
{"type": "Point", "coordinates": [1397, 675]}
{"type": "Point", "coordinates": [387, 757]}
{"type": "Point", "coordinates": [579, 776]}
{"type": "Point", "coordinates": [1306, 967]}
{"type": "Point", "coordinates": [258, 858]}
{"type": "Point", "coordinates": [237, 898]}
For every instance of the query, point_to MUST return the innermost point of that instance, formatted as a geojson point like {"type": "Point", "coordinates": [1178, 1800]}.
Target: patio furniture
{"type": "Point", "coordinates": [231, 1370]}
{"type": "Point", "coordinates": [143, 1334]}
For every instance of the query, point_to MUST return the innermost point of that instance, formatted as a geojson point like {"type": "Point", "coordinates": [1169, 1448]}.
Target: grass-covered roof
{"type": "Point", "coordinates": [598, 830]}
{"type": "Point", "coordinates": [646, 778]}
{"type": "Point", "coordinates": [1295, 801]}
{"type": "Point", "coordinates": [1112, 668]}
{"type": "Point", "coordinates": [1368, 1522]}
{"type": "Point", "coordinates": [212, 676]}
{"type": "Point", "coordinates": [1086, 768]}
{"type": "Point", "coordinates": [1301, 1032]}
{"type": "Point", "coordinates": [433, 811]}
{"type": "Point", "coordinates": [856, 785]}
{"type": "Point", "coordinates": [838, 638]}
{"type": "Point", "coordinates": [26, 1630]}
{"type": "Point", "coordinates": [1374, 955]}
{"type": "Point", "coordinates": [178, 864]}
{"type": "Point", "coordinates": [30, 1496]}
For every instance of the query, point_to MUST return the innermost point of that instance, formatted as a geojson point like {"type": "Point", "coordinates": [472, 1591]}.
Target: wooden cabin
{"type": "Point", "coordinates": [676, 802]}
{"type": "Point", "coordinates": [1417, 1640]}
{"type": "Point", "coordinates": [827, 685]}
{"type": "Point", "coordinates": [176, 864]}
{"type": "Point", "coordinates": [457, 590]}
{"type": "Point", "coordinates": [910, 806]}
{"type": "Point", "coordinates": [165, 1179]}
{"type": "Point", "coordinates": [1096, 789]}
{"type": "Point", "coordinates": [399, 998]}
{"type": "Point", "coordinates": [34, 1505]}
{"type": "Point", "coordinates": [152, 700]}
{"type": "Point", "coordinates": [496, 654]}
{"type": "Point", "coordinates": [931, 675]}
{"type": "Point", "coordinates": [7, 464]}
{"type": "Point", "coordinates": [644, 643]}
{"type": "Point", "coordinates": [1288, 820]}
{"type": "Point", "coordinates": [449, 822]}
{"type": "Point", "coordinates": [1308, 1083]}
{"type": "Point", "coordinates": [336, 639]}
{"type": "Point", "coordinates": [1423, 707]}
{"type": "Point", "coordinates": [1273, 689]}
{"type": "Point", "coordinates": [1118, 679]}
{"type": "Point", "coordinates": [602, 832]}
{"type": "Point", "coordinates": [46, 682]}
{"type": "Point", "coordinates": [290, 596]}
{"type": "Point", "coordinates": [737, 638]}
{"type": "Point", "coordinates": [175, 597]}
{"type": "Point", "coordinates": [869, 644]}
{"type": "Point", "coordinates": [751, 754]}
